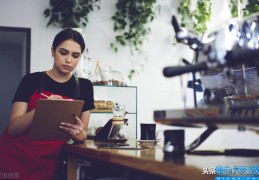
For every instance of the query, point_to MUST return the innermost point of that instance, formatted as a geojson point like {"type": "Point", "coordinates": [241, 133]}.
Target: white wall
{"type": "Point", "coordinates": [154, 90]}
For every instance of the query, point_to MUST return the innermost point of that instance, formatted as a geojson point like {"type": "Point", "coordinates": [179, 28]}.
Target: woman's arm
{"type": "Point", "coordinates": [20, 120]}
{"type": "Point", "coordinates": [78, 130]}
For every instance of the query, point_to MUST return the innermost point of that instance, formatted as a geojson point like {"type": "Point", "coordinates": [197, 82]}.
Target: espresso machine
{"type": "Point", "coordinates": [233, 47]}
{"type": "Point", "coordinates": [228, 62]}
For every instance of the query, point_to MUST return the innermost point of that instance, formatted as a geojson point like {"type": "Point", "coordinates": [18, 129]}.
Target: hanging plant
{"type": "Point", "coordinates": [131, 23]}
{"type": "Point", "coordinates": [70, 13]}
{"type": "Point", "coordinates": [233, 5]}
{"type": "Point", "coordinates": [196, 19]}
{"type": "Point", "coordinates": [251, 7]}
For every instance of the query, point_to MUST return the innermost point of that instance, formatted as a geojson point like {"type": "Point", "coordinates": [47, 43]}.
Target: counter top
{"type": "Point", "coordinates": [152, 160]}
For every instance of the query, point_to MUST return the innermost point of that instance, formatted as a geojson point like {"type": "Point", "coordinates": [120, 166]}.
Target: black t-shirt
{"type": "Point", "coordinates": [32, 82]}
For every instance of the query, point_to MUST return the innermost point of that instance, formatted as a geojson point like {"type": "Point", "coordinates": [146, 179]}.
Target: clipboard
{"type": "Point", "coordinates": [49, 114]}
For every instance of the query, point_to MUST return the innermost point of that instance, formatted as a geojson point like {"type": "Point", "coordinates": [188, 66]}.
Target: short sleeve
{"type": "Point", "coordinates": [23, 91]}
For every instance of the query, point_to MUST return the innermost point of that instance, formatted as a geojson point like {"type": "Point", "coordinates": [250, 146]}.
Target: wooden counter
{"type": "Point", "coordinates": [151, 161]}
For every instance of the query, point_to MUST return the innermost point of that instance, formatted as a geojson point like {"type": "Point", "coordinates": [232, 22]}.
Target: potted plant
{"type": "Point", "coordinates": [70, 13]}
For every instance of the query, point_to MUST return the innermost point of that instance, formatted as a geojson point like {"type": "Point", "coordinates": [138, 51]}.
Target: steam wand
{"type": "Point", "coordinates": [194, 43]}
{"type": "Point", "coordinates": [193, 83]}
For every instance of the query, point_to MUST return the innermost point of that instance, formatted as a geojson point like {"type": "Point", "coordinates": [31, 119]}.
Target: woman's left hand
{"type": "Point", "coordinates": [76, 130]}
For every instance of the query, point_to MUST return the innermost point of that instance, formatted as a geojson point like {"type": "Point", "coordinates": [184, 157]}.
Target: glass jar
{"type": "Point", "coordinates": [109, 78]}
{"type": "Point", "coordinates": [101, 77]}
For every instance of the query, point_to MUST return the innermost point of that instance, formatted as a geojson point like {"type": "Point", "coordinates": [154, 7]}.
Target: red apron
{"type": "Point", "coordinates": [22, 158]}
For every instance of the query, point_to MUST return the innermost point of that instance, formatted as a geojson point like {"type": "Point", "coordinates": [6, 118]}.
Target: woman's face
{"type": "Point", "coordinates": [66, 56]}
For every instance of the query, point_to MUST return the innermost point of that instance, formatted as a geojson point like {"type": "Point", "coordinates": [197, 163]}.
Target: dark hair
{"type": "Point", "coordinates": [66, 35]}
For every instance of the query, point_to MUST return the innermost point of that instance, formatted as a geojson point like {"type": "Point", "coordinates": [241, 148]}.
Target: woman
{"type": "Point", "coordinates": [23, 158]}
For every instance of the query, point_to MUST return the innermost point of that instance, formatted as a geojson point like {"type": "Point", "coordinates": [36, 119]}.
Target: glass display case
{"type": "Point", "coordinates": [105, 97]}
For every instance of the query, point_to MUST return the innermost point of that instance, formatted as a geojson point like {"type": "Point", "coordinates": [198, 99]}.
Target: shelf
{"type": "Point", "coordinates": [212, 119]}
{"type": "Point", "coordinates": [204, 118]}
{"type": "Point", "coordinates": [101, 111]}
{"type": "Point", "coordinates": [114, 86]}
{"type": "Point", "coordinates": [107, 112]}
{"type": "Point", "coordinates": [123, 95]}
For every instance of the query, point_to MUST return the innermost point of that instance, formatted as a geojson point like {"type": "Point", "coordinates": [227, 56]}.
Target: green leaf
{"type": "Point", "coordinates": [131, 73]}
{"type": "Point", "coordinates": [46, 13]}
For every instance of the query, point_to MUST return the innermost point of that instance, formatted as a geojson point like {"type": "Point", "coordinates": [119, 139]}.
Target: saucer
{"type": "Point", "coordinates": [148, 141]}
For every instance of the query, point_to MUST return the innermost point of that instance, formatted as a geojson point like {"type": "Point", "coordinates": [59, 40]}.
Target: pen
{"type": "Point", "coordinates": [44, 95]}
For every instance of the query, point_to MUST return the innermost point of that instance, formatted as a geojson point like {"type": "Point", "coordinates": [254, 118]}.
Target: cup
{"type": "Point", "coordinates": [147, 131]}
{"type": "Point", "coordinates": [174, 143]}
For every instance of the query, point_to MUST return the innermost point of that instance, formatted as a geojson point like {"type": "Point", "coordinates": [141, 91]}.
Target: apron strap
{"type": "Point", "coordinates": [42, 82]}
{"type": "Point", "coordinates": [77, 94]}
